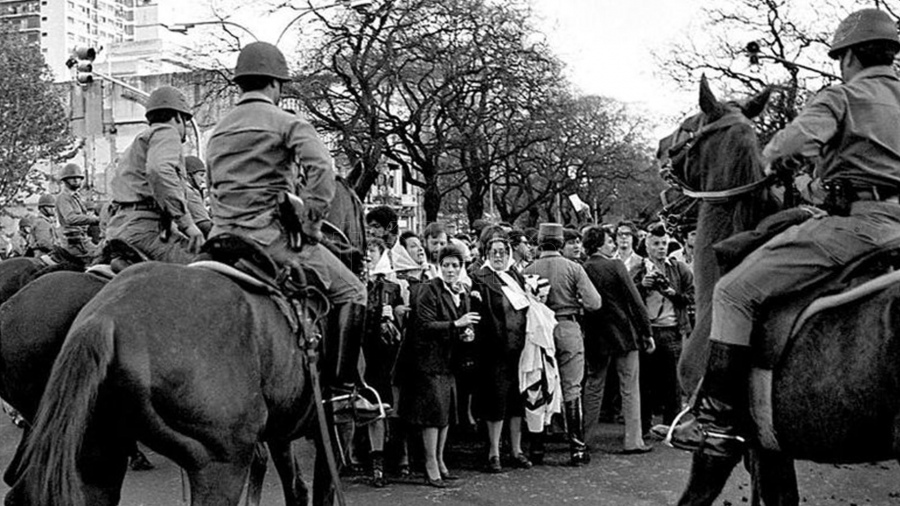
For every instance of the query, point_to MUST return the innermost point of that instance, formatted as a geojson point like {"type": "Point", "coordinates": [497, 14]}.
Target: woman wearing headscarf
{"type": "Point", "coordinates": [440, 319]}
{"type": "Point", "coordinates": [499, 338]}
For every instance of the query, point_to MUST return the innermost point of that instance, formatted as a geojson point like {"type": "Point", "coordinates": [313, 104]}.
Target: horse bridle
{"type": "Point", "coordinates": [679, 155]}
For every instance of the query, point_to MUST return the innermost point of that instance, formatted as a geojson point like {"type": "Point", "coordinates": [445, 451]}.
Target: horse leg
{"type": "Point", "coordinates": [774, 480]}
{"type": "Point", "coordinates": [258, 468]}
{"type": "Point", "coordinates": [219, 483]}
{"type": "Point", "coordinates": [707, 479]}
{"type": "Point", "coordinates": [295, 491]}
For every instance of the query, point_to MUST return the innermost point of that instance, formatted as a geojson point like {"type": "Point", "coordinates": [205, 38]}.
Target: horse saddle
{"type": "Point", "coordinates": [785, 315]}
{"type": "Point", "coordinates": [242, 254]}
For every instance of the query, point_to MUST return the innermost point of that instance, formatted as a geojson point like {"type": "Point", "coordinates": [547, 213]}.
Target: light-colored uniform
{"type": "Point", "coordinates": [43, 235]}
{"type": "Point", "coordinates": [74, 221]}
{"type": "Point", "coordinates": [149, 196]}
{"type": "Point", "coordinates": [253, 156]}
{"type": "Point", "coordinates": [852, 128]}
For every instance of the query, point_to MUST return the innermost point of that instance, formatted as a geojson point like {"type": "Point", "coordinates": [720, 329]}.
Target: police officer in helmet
{"type": "Point", "coordinates": [72, 213]}
{"type": "Point", "coordinates": [254, 154]}
{"type": "Point", "coordinates": [850, 130]}
{"type": "Point", "coordinates": [43, 237]}
{"type": "Point", "coordinates": [150, 206]}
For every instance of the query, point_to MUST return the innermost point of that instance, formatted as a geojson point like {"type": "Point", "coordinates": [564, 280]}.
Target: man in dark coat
{"type": "Point", "coordinates": [616, 332]}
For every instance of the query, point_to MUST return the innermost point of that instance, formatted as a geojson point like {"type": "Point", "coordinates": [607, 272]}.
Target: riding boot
{"type": "Point", "coordinates": [575, 433]}
{"type": "Point", "coordinates": [341, 357]}
{"type": "Point", "coordinates": [720, 412]}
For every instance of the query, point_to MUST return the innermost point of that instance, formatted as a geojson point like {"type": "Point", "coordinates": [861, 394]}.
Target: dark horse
{"type": "Point", "coordinates": [189, 363]}
{"type": "Point", "coordinates": [833, 395]}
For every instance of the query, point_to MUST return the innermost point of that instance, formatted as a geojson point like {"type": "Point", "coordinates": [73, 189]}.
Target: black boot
{"type": "Point", "coordinates": [536, 448]}
{"type": "Point", "coordinates": [341, 356]}
{"type": "Point", "coordinates": [720, 412]}
{"type": "Point", "coordinates": [575, 433]}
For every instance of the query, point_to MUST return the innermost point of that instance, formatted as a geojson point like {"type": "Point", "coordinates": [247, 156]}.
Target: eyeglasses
{"type": "Point", "coordinates": [498, 252]}
{"type": "Point", "coordinates": [624, 234]}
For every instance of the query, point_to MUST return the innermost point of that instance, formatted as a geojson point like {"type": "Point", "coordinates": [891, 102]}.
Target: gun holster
{"type": "Point", "coordinates": [291, 212]}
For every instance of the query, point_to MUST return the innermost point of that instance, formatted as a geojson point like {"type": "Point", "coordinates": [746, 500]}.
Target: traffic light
{"type": "Point", "coordinates": [81, 61]}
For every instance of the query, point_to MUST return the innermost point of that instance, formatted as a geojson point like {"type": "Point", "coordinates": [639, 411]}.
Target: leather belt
{"type": "Point", "coordinates": [142, 205]}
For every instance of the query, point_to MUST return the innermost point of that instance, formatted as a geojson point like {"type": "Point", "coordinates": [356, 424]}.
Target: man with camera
{"type": "Point", "coordinates": [667, 287]}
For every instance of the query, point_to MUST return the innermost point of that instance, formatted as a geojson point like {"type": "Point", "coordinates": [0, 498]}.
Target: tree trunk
{"type": "Point", "coordinates": [432, 200]}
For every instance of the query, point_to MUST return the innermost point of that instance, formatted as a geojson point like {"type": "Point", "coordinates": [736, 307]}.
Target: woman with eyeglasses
{"type": "Point", "coordinates": [499, 339]}
{"type": "Point", "coordinates": [441, 319]}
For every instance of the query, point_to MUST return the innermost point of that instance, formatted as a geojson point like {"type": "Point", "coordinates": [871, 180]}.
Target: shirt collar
{"type": "Point", "coordinates": [876, 71]}
{"type": "Point", "coordinates": [545, 254]}
{"type": "Point", "coordinates": [254, 96]}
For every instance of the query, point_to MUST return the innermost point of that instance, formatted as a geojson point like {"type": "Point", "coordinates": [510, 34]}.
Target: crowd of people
{"type": "Point", "coordinates": [454, 326]}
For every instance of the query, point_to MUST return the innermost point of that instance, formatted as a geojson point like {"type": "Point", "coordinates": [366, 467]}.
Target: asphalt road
{"type": "Point", "coordinates": [610, 479]}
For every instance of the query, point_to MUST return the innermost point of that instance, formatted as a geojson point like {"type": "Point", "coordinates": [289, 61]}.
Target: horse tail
{"type": "Point", "coordinates": [55, 441]}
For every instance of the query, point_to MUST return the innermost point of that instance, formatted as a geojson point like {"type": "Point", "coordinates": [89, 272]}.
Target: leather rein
{"type": "Point", "coordinates": [681, 153]}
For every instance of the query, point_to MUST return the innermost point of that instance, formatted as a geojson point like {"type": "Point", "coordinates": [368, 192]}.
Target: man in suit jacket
{"type": "Point", "coordinates": [616, 332]}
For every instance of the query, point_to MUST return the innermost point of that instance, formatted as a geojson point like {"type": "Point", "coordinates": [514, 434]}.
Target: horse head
{"type": "Point", "coordinates": [720, 136]}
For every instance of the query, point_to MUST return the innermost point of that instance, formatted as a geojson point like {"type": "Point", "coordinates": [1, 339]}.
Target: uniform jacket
{"type": "Point", "coordinates": [43, 234]}
{"type": "Point", "coordinates": [570, 288]}
{"type": "Point", "coordinates": [152, 170]}
{"type": "Point", "coordinates": [682, 281]}
{"type": "Point", "coordinates": [622, 324]}
{"type": "Point", "coordinates": [72, 214]}
{"type": "Point", "coordinates": [254, 155]}
{"type": "Point", "coordinates": [851, 128]}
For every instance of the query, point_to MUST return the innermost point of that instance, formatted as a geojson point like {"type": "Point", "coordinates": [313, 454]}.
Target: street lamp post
{"type": "Point", "coordinates": [184, 27]}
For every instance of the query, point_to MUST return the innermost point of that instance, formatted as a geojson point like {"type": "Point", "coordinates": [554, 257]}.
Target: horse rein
{"type": "Point", "coordinates": [680, 153]}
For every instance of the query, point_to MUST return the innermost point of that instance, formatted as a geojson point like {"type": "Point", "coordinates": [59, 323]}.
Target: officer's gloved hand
{"type": "Point", "coordinates": [195, 238]}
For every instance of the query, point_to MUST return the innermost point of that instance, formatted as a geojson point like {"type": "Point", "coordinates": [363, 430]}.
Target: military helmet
{"type": "Point", "coordinates": [193, 164]}
{"type": "Point", "coordinates": [168, 97]}
{"type": "Point", "coordinates": [261, 59]}
{"type": "Point", "coordinates": [70, 170]}
{"type": "Point", "coordinates": [46, 200]}
{"type": "Point", "coordinates": [864, 25]}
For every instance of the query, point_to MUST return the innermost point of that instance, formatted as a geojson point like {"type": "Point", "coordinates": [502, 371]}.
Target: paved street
{"type": "Point", "coordinates": [610, 479]}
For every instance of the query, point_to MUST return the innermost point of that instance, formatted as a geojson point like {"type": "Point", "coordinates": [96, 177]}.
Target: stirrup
{"type": "Point", "coordinates": [358, 407]}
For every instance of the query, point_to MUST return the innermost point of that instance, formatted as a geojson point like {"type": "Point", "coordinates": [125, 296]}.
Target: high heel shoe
{"type": "Point", "coordinates": [438, 483]}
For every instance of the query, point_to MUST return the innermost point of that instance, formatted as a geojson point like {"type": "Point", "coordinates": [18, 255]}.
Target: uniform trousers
{"type": "Point", "coordinates": [141, 230]}
{"type": "Point", "coordinates": [569, 357]}
{"type": "Point", "coordinates": [796, 260]}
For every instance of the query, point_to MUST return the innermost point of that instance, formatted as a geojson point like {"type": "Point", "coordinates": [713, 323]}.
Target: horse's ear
{"type": "Point", "coordinates": [757, 104]}
{"type": "Point", "coordinates": [708, 102]}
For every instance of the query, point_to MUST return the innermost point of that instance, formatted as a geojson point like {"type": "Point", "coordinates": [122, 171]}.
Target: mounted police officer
{"type": "Point", "coordinates": [72, 213]}
{"type": "Point", "coordinates": [254, 156]}
{"type": "Point", "coordinates": [194, 187]}
{"type": "Point", "coordinates": [150, 207]}
{"type": "Point", "coordinates": [43, 234]}
{"type": "Point", "coordinates": [850, 130]}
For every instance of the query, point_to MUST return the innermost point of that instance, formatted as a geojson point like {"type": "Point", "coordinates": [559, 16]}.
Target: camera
{"type": "Point", "coordinates": [659, 282]}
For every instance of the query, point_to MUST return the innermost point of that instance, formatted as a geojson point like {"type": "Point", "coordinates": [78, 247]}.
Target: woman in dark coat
{"type": "Point", "coordinates": [440, 320]}
{"type": "Point", "coordinates": [500, 337]}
